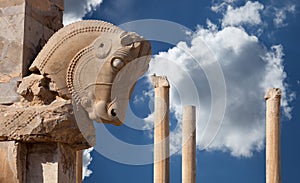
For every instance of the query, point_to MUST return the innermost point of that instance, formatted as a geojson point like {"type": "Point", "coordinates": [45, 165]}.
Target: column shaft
{"type": "Point", "coordinates": [273, 172]}
{"type": "Point", "coordinates": [189, 144]}
{"type": "Point", "coordinates": [79, 166]}
{"type": "Point", "coordinates": [161, 130]}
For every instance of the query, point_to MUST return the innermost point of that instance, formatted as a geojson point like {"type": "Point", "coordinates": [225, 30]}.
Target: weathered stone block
{"type": "Point", "coordinates": [50, 162]}
{"type": "Point", "coordinates": [12, 162]}
{"type": "Point", "coordinates": [12, 22]}
{"type": "Point", "coordinates": [47, 13]}
{"type": "Point", "coordinates": [33, 41]}
{"type": "Point", "coordinates": [41, 116]}
{"type": "Point", "coordinates": [11, 57]}
{"type": "Point", "coordinates": [42, 162]}
{"type": "Point", "coordinates": [26, 25]}
{"type": "Point", "coordinates": [8, 93]}
{"type": "Point", "coordinates": [11, 44]}
{"type": "Point", "coordinates": [59, 4]}
{"type": "Point", "coordinates": [10, 3]}
{"type": "Point", "coordinates": [48, 123]}
{"type": "Point", "coordinates": [47, 33]}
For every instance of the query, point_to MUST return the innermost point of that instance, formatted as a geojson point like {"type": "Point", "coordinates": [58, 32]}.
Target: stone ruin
{"type": "Point", "coordinates": [55, 81]}
{"type": "Point", "coordinates": [86, 69]}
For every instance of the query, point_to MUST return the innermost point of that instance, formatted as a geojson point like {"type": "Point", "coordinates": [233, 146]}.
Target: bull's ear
{"type": "Point", "coordinates": [129, 38]}
{"type": "Point", "coordinates": [102, 47]}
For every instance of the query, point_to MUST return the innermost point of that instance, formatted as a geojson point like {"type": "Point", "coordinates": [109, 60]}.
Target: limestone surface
{"type": "Point", "coordinates": [26, 25]}
{"type": "Point", "coordinates": [71, 87]}
{"type": "Point", "coordinates": [162, 129]}
{"type": "Point", "coordinates": [96, 64]}
{"type": "Point", "coordinates": [273, 167]}
{"type": "Point", "coordinates": [54, 83]}
{"type": "Point", "coordinates": [41, 116]}
{"type": "Point", "coordinates": [85, 72]}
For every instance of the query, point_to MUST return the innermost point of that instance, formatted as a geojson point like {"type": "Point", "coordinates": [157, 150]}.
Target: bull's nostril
{"type": "Point", "coordinates": [113, 113]}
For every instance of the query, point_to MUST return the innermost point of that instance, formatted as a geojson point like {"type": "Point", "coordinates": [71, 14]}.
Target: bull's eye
{"type": "Point", "coordinates": [113, 113]}
{"type": "Point", "coordinates": [117, 63]}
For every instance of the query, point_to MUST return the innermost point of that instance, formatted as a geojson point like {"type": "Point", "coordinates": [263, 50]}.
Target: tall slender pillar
{"type": "Point", "coordinates": [273, 170]}
{"type": "Point", "coordinates": [189, 144]}
{"type": "Point", "coordinates": [79, 166]}
{"type": "Point", "coordinates": [161, 130]}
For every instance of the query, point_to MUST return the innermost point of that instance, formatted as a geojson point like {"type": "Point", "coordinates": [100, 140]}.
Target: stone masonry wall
{"type": "Point", "coordinates": [26, 25]}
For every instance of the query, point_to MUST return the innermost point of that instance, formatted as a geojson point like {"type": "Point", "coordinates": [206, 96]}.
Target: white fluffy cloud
{"type": "Point", "coordinates": [248, 14]}
{"type": "Point", "coordinates": [280, 15]}
{"type": "Point", "coordinates": [86, 161]}
{"type": "Point", "coordinates": [75, 10]}
{"type": "Point", "coordinates": [249, 69]}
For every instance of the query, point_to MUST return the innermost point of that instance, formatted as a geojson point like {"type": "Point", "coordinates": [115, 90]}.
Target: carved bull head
{"type": "Point", "coordinates": [97, 64]}
{"type": "Point", "coordinates": [106, 74]}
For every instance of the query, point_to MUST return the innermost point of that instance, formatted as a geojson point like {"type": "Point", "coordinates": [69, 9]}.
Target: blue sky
{"type": "Point", "coordinates": [255, 44]}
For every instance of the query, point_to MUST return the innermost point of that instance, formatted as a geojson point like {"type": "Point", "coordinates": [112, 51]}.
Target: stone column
{"type": "Point", "coordinates": [273, 172]}
{"type": "Point", "coordinates": [161, 129]}
{"type": "Point", "coordinates": [189, 144]}
{"type": "Point", "coordinates": [26, 25]}
{"type": "Point", "coordinates": [79, 166]}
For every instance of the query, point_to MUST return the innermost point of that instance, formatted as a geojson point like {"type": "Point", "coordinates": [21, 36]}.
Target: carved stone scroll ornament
{"type": "Point", "coordinates": [97, 64]}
